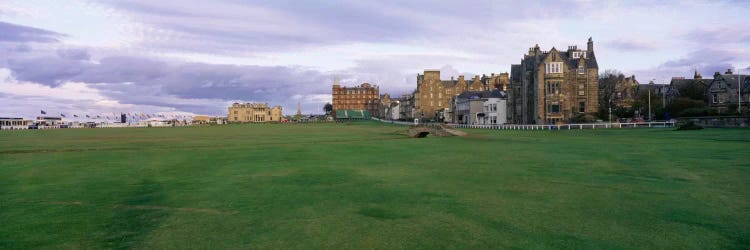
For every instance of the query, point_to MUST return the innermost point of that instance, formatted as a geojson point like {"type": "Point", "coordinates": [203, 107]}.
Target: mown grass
{"type": "Point", "coordinates": [366, 185]}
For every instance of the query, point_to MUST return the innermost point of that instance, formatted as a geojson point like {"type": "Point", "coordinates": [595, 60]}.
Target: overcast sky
{"type": "Point", "coordinates": [88, 57]}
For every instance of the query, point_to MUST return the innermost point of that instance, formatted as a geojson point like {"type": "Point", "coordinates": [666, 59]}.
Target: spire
{"type": "Point", "coordinates": [697, 75]}
{"type": "Point", "coordinates": [299, 110]}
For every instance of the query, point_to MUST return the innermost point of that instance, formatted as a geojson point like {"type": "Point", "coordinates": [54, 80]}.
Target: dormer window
{"type": "Point", "coordinates": [553, 67]}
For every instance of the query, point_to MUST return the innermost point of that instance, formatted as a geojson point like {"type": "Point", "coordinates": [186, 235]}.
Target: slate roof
{"type": "Point", "coordinates": [482, 94]}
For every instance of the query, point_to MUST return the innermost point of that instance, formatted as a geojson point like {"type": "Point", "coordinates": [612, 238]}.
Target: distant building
{"type": "Point", "coordinates": [728, 89]}
{"type": "Point", "coordinates": [479, 108]}
{"type": "Point", "coordinates": [254, 112]}
{"type": "Point", "coordinates": [626, 92]}
{"type": "Point", "coordinates": [686, 88]}
{"type": "Point", "coordinates": [201, 119]}
{"type": "Point", "coordinates": [554, 86]}
{"type": "Point", "coordinates": [362, 97]}
{"type": "Point", "coordinates": [14, 123]}
{"type": "Point", "coordinates": [433, 95]}
{"type": "Point", "coordinates": [384, 106]}
{"type": "Point", "coordinates": [49, 121]}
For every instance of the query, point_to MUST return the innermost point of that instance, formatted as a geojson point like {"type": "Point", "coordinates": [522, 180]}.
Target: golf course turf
{"type": "Point", "coordinates": [367, 185]}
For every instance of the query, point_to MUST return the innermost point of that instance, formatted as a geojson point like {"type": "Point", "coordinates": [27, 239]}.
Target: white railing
{"type": "Point", "coordinates": [664, 124]}
{"type": "Point", "coordinates": [568, 126]}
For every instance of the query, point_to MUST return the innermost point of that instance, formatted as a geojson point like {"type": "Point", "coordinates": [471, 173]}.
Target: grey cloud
{"type": "Point", "coordinates": [705, 61]}
{"type": "Point", "coordinates": [232, 27]}
{"type": "Point", "coordinates": [74, 54]}
{"type": "Point", "coordinates": [630, 45]}
{"type": "Point", "coordinates": [196, 87]}
{"type": "Point", "coordinates": [19, 33]}
{"type": "Point", "coordinates": [718, 35]}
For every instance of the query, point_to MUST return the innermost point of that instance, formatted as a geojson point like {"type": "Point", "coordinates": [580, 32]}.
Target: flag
{"type": "Point", "coordinates": [87, 116]}
{"type": "Point", "coordinates": [75, 115]}
{"type": "Point", "coordinates": [62, 115]}
{"type": "Point", "coordinates": [44, 113]}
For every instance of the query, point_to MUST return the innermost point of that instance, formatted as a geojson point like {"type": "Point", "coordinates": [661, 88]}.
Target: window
{"type": "Point", "coordinates": [555, 108]}
{"type": "Point", "coordinates": [553, 67]}
{"type": "Point", "coordinates": [582, 107]}
{"type": "Point", "coordinates": [581, 92]}
{"type": "Point", "coordinates": [715, 98]}
{"type": "Point", "coordinates": [235, 112]}
{"type": "Point", "coordinates": [581, 70]}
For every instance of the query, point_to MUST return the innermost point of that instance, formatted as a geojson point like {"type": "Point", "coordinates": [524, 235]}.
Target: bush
{"type": "Point", "coordinates": [689, 125]}
{"type": "Point", "coordinates": [583, 118]}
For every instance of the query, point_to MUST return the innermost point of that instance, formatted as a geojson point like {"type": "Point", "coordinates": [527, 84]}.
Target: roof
{"type": "Point", "coordinates": [482, 94]}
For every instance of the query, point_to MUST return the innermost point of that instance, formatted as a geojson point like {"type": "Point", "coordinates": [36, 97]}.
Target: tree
{"type": "Point", "coordinates": [608, 90]}
{"type": "Point", "coordinates": [328, 108]}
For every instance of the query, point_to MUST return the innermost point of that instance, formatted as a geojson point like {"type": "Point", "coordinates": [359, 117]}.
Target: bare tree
{"type": "Point", "coordinates": [608, 82]}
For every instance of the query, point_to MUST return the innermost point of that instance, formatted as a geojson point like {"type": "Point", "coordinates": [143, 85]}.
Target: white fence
{"type": "Point", "coordinates": [568, 126]}
{"type": "Point", "coordinates": [665, 124]}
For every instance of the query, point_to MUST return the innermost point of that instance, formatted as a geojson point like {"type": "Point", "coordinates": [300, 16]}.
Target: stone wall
{"type": "Point", "coordinates": [719, 121]}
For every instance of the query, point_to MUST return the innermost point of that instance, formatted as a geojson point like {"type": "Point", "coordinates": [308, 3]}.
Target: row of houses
{"type": "Point", "coordinates": [49, 122]}
{"type": "Point", "coordinates": [723, 93]}
{"type": "Point", "coordinates": [547, 87]}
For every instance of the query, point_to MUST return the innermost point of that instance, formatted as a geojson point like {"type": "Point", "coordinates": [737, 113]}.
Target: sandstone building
{"type": "Point", "coordinates": [362, 97]}
{"type": "Point", "coordinates": [432, 97]}
{"type": "Point", "coordinates": [254, 112]}
{"type": "Point", "coordinates": [549, 87]}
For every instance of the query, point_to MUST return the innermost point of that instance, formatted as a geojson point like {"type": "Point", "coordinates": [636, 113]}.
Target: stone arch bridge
{"type": "Point", "coordinates": [421, 131]}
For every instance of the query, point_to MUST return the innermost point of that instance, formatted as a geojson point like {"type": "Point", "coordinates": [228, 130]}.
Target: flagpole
{"type": "Point", "coordinates": [739, 92]}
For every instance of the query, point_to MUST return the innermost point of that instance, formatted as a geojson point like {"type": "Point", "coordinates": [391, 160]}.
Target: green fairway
{"type": "Point", "coordinates": [366, 185]}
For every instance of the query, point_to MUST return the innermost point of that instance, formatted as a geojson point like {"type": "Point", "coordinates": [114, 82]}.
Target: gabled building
{"type": "Point", "coordinates": [431, 99]}
{"type": "Point", "coordinates": [689, 88]}
{"type": "Point", "coordinates": [487, 107]}
{"type": "Point", "coordinates": [727, 90]}
{"type": "Point", "coordinates": [554, 86]}
{"type": "Point", "coordinates": [626, 92]}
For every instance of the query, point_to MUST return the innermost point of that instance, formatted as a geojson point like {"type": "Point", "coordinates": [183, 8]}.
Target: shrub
{"type": "Point", "coordinates": [689, 125]}
{"type": "Point", "coordinates": [583, 118]}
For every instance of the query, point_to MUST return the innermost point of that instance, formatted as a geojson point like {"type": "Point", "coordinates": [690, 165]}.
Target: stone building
{"type": "Point", "coordinates": [488, 107]}
{"type": "Point", "coordinates": [432, 97]}
{"type": "Point", "coordinates": [384, 106]}
{"type": "Point", "coordinates": [723, 92]}
{"type": "Point", "coordinates": [554, 86]}
{"type": "Point", "coordinates": [687, 88]}
{"type": "Point", "coordinates": [406, 107]}
{"type": "Point", "coordinates": [362, 97]}
{"type": "Point", "coordinates": [626, 92]}
{"type": "Point", "coordinates": [254, 112]}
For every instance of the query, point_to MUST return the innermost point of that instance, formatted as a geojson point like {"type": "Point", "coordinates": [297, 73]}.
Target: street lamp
{"type": "Point", "coordinates": [649, 99]}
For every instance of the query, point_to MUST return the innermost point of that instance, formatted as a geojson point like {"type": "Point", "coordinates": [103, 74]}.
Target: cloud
{"type": "Point", "coordinates": [705, 61]}
{"type": "Point", "coordinates": [19, 33]}
{"type": "Point", "coordinates": [195, 87]}
{"type": "Point", "coordinates": [630, 45]}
